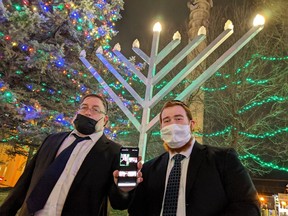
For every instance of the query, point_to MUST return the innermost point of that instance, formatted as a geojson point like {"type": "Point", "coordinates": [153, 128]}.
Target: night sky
{"type": "Point", "coordinates": [138, 19]}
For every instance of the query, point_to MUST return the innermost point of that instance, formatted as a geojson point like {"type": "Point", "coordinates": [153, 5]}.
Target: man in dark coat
{"type": "Point", "coordinates": [211, 181]}
{"type": "Point", "coordinates": [86, 181]}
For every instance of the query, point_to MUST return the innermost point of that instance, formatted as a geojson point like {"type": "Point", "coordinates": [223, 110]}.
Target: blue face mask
{"type": "Point", "coordinates": [84, 124]}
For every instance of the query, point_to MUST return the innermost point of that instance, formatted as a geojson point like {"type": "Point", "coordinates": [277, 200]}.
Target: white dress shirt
{"type": "Point", "coordinates": [56, 200]}
{"type": "Point", "coordinates": [181, 206]}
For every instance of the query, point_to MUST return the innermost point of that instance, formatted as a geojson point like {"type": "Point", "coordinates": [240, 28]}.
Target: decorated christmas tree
{"type": "Point", "coordinates": [41, 77]}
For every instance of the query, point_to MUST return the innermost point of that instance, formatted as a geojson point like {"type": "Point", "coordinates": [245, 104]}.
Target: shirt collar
{"type": "Point", "coordinates": [186, 153]}
{"type": "Point", "coordinates": [94, 137]}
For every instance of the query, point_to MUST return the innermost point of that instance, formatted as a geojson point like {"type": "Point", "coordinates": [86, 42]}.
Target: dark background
{"type": "Point", "coordinates": [138, 19]}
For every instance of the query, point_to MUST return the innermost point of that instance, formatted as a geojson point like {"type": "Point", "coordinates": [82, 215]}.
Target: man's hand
{"type": "Point", "coordinates": [139, 176]}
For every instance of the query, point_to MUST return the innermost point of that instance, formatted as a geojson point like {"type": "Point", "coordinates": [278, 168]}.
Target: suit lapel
{"type": "Point", "coordinates": [158, 177]}
{"type": "Point", "coordinates": [195, 161]}
{"type": "Point", "coordinates": [54, 144]}
{"type": "Point", "coordinates": [161, 176]}
{"type": "Point", "coordinates": [100, 146]}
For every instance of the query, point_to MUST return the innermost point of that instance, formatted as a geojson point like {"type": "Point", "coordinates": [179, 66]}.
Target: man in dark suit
{"type": "Point", "coordinates": [86, 180]}
{"type": "Point", "coordinates": [212, 181]}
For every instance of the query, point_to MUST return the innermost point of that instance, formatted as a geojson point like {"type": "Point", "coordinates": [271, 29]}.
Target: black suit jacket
{"type": "Point", "coordinates": [90, 188]}
{"type": "Point", "coordinates": [217, 184]}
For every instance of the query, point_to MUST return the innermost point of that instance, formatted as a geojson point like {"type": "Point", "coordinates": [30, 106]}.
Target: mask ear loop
{"type": "Point", "coordinates": [102, 118]}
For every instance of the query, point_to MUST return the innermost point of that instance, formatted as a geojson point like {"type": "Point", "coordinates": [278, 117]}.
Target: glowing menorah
{"type": "Point", "coordinates": [152, 78]}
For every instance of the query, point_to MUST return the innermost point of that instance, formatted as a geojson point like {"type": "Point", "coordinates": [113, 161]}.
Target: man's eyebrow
{"type": "Point", "coordinates": [95, 106]}
{"type": "Point", "coordinates": [168, 117]}
{"type": "Point", "coordinates": [179, 115]}
{"type": "Point", "coordinates": [84, 104]}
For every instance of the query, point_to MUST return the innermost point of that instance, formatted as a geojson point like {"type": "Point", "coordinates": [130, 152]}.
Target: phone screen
{"type": "Point", "coordinates": [128, 167]}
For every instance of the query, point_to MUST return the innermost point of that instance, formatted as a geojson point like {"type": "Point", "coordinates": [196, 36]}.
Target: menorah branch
{"type": "Point", "coordinates": [120, 78]}
{"type": "Point", "coordinates": [220, 62]}
{"type": "Point", "coordinates": [131, 66]}
{"type": "Point", "coordinates": [111, 93]}
{"type": "Point", "coordinates": [178, 58]}
{"type": "Point", "coordinates": [191, 66]}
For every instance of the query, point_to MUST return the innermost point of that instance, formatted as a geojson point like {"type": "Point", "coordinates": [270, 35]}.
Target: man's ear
{"type": "Point", "coordinates": [106, 118]}
{"type": "Point", "coordinates": [192, 125]}
{"type": "Point", "coordinates": [160, 125]}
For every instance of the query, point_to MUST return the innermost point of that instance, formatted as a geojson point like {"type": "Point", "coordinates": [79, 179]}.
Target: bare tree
{"type": "Point", "coordinates": [246, 101]}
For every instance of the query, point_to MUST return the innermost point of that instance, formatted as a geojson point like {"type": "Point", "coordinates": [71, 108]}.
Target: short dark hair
{"type": "Point", "coordinates": [97, 96]}
{"type": "Point", "coordinates": [176, 103]}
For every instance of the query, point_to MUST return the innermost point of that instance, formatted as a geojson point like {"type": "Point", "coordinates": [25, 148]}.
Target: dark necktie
{"type": "Point", "coordinates": [172, 189]}
{"type": "Point", "coordinates": [43, 188]}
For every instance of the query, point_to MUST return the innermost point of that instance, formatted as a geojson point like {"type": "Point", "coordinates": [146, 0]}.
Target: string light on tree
{"type": "Point", "coordinates": [263, 163]}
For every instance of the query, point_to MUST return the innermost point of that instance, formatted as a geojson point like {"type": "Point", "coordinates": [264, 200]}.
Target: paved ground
{"type": "Point", "coordinates": [4, 193]}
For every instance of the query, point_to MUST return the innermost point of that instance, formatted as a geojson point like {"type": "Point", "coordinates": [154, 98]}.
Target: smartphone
{"type": "Point", "coordinates": [128, 167]}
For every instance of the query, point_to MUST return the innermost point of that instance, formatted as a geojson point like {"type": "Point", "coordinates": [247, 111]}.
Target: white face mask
{"type": "Point", "coordinates": [176, 135]}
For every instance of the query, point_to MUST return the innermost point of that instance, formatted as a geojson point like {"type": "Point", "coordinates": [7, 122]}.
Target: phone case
{"type": "Point", "coordinates": [128, 167]}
